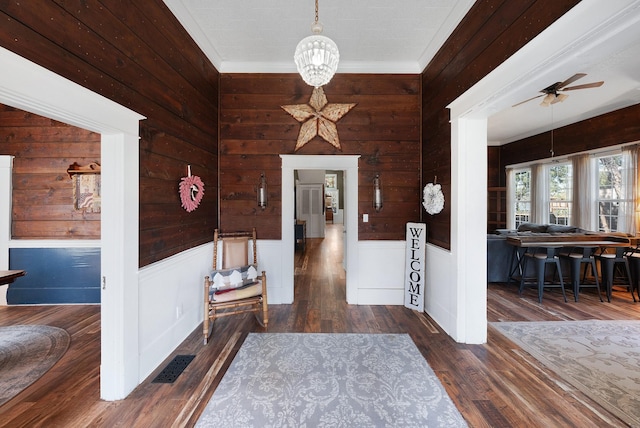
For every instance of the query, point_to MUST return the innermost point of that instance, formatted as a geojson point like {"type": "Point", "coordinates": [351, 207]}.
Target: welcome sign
{"type": "Point", "coordinates": [415, 263]}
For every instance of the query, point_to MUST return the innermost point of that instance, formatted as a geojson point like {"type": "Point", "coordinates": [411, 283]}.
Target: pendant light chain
{"type": "Point", "coordinates": [316, 11]}
{"type": "Point", "coordinates": [551, 151]}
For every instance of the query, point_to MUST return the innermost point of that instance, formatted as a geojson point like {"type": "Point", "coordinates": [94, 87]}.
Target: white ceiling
{"type": "Point", "coordinates": [380, 36]}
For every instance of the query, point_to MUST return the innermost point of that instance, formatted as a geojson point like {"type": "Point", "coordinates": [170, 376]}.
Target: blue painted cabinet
{"type": "Point", "coordinates": [55, 276]}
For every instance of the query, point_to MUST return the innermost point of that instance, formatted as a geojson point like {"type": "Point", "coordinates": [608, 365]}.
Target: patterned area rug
{"type": "Point", "coordinates": [330, 380]}
{"type": "Point", "coordinates": [26, 353]}
{"type": "Point", "coordinates": [600, 358]}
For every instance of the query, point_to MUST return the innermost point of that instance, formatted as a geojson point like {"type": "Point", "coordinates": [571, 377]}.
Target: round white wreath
{"type": "Point", "coordinates": [433, 198]}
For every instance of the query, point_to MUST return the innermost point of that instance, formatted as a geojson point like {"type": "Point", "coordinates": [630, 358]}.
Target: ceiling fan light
{"type": "Point", "coordinates": [546, 101]}
{"type": "Point", "coordinates": [559, 98]}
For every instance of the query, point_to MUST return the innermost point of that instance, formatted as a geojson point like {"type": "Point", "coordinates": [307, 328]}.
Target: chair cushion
{"type": "Point", "coordinates": [227, 279]}
{"type": "Point", "coordinates": [245, 292]}
{"type": "Point", "coordinates": [235, 251]}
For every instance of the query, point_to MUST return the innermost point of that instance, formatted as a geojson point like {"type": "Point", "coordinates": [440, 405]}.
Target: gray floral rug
{"type": "Point", "coordinates": [600, 358]}
{"type": "Point", "coordinates": [26, 353]}
{"type": "Point", "coordinates": [329, 380]}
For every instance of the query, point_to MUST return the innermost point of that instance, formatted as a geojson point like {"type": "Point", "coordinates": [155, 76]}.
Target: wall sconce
{"type": "Point", "coordinates": [262, 192]}
{"type": "Point", "coordinates": [377, 193]}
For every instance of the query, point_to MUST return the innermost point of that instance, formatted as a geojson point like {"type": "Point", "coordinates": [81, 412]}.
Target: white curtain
{"type": "Point", "coordinates": [584, 212]}
{"type": "Point", "coordinates": [511, 199]}
{"type": "Point", "coordinates": [539, 195]}
{"type": "Point", "coordinates": [627, 213]}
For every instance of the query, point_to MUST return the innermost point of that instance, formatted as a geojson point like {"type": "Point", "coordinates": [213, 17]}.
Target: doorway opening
{"type": "Point", "coordinates": [349, 165]}
{"type": "Point", "coordinates": [319, 214]}
{"type": "Point", "coordinates": [30, 87]}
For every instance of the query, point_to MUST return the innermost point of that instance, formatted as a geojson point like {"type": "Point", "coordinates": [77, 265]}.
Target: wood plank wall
{"type": "Point", "coordinates": [491, 32]}
{"type": "Point", "coordinates": [384, 128]}
{"type": "Point", "coordinates": [618, 127]}
{"type": "Point", "coordinates": [43, 204]}
{"type": "Point", "coordinates": [137, 54]}
{"type": "Point", "coordinates": [493, 167]}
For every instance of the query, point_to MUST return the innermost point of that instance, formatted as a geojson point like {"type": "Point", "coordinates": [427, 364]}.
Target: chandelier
{"type": "Point", "coordinates": [316, 56]}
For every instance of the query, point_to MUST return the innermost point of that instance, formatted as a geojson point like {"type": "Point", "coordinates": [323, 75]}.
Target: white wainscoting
{"type": "Point", "coordinates": [440, 288]}
{"type": "Point", "coordinates": [170, 304]}
{"type": "Point", "coordinates": [171, 298]}
{"type": "Point", "coordinates": [171, 293]}
{"type": "Point", "coordinates": [381, 272]}
{"type": "Point", "coordinates": [270, 258]}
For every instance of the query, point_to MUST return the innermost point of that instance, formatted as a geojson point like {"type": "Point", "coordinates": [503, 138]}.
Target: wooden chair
{"type": "Point", "coordinates": [234, 286]}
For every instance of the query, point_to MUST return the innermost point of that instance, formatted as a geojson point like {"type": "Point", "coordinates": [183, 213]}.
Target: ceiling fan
{"type": "Point", "coordinates": [553, 94]}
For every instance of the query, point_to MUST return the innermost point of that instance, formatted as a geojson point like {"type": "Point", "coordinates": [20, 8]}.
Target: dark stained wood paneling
{"type": "Point", "coordinates": [493, 168]}
{"type": "Point", "coordinates": [618, 127]}
{"type": "Point", "coordinates": [491, 32]}
{"type": "Point", "coordinates": [384, 128]}
{"type": "Point", "coordinates": [42, 195]}
{"type": "Point", "coordinates": [137, 54]}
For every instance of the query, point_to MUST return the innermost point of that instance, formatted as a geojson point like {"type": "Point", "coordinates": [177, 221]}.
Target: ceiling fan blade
{"type": "Point", "coordinates": [585, 86]}
{"type": "Point", "coordinates": [571, 80]}
{"type": "Point", "coordinates": [548, 100]}
{"type": "Point", "coordinates": [526, 101]}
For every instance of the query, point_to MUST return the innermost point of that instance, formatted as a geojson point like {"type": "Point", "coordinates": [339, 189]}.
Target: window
{"type": "Point", "coordinates": [522, 196]}
{"type": "Point", "coordinates": [545, 191]}
{"type": "Point", "coordinates": [560, 193]}
{"type": "Point", "coordinates": [610, 197]}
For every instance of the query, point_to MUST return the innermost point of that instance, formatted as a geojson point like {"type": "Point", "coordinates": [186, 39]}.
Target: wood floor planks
{"type": "Point", "coordinates": [493, 385]}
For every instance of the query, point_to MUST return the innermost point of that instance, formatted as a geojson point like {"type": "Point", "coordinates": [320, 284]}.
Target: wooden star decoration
{"type": "Point", "coordinates": [318, 118]}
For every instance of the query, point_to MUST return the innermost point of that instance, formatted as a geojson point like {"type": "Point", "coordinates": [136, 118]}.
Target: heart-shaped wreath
{"type": "Point", "coordinates": [191, 192]}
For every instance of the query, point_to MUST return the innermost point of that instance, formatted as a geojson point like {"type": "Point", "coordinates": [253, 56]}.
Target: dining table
{"type": "Point", "coordinates": [526, 243]}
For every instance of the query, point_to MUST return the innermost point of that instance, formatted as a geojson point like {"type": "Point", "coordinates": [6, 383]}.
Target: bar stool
{"type": "Point", "coordinates": [608, 262]}
{"type": "Point", "coordinates": [576, 257]}
{"type": "Point", "coordinates": [633, 259]}
{"type": "Point", "coordinates": [541, 257]}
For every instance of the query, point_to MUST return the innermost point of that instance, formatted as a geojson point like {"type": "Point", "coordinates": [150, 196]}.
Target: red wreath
{"type": "Point", "coordinates": [191, 192]}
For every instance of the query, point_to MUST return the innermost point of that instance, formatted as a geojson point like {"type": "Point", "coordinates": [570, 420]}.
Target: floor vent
{"type": "Point", "coordinates": [170, 373]}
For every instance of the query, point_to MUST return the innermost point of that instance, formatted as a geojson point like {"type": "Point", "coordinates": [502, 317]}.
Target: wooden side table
{"type": "Point", "coordinates": [8, 276]}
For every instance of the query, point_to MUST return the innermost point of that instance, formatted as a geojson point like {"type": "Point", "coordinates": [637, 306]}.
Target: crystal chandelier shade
{"type": "Point", "coordinates": [316, 56]}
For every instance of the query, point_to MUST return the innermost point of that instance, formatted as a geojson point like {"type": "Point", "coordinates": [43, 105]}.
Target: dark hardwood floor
{"type": "Point", "coordinates": [493, 385]}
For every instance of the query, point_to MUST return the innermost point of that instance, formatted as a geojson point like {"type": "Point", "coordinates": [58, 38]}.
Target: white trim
{"type": "Point", "coordinates": [6, 167]}
{"type": "Point", "coordinates": [345, 67]}
{"type": "Point", "coordinates": [55, 243]}
{"type": "Point", "coordinates": [28, 86]}
{"type": "Point", "coordinates": [347, 163]}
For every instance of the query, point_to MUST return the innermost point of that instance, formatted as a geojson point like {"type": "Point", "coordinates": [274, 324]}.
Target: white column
{"type": "Point", "coordinates": [469, 228]}
{"type": "Point", "coordinates": [6, 164]}
{"type": "Point", "coordinates": [120, 325]}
